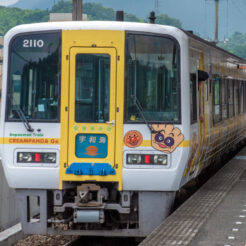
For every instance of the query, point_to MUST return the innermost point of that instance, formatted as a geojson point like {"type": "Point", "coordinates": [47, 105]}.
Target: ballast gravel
{"type": "Point", "coordinates": [42, 240]}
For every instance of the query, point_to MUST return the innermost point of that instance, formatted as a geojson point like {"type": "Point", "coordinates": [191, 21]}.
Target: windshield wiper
{"type": "Point", "coordinates": [21, 115]}
{"type": "Point", "coordinates": [140, 109]}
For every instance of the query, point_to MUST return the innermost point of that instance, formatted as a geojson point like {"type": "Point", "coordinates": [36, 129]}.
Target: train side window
{"type": "Point", "coordinates": [230, 98]}
{"type": "Point", "coordinates": [224, 99]}
{"type": "Point", "coordinates": [236, 97]}
{"type": "Point", "coordinates": [217, 100]}
{"type": "Point", "coordinates": [244, 89]}
{"type": "Point", "coordinates": [241, 97]}
{"type": "Point", "coordinates": [193, 98]}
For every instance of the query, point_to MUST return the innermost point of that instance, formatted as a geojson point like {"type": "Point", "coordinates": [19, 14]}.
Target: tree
{"type": "Point", "coordinates": [62, 7]}
{"type": "Point", "coordinates": [10, 17]}
{"type": "Point", "coordinates": [236, 44]}
{"type": "Point", "coordinates": [164, 19]}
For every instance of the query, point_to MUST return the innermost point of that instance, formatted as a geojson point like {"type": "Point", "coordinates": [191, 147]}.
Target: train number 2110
{"type": "Point", "coordinates": [33, 43]}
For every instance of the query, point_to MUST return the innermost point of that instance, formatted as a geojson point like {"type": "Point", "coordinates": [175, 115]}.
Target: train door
{"type": "Point", "coordinates": [91, 123]}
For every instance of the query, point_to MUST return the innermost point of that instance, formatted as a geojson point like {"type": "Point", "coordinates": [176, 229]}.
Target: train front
{"type": "Point", "coordinates": [93, 140]}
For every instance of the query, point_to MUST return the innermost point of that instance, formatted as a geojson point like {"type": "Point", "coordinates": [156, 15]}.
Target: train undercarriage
{"type": "Point", "coordinates": [93, 209]}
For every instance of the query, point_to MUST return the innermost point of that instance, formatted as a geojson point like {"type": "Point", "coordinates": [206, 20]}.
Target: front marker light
{"type": "Point", "coordinates": [134, 159]}
{"type": "Point", "coordinates": [160, 159]}
{"type": "Point", "coordinates": [146, 159]}
{"type": "Point", "coordinates": [36, 157]}
{"type": "Point", "coordinates": [50, 157]}
{"type": "Point", "coordinates": [24, 157]}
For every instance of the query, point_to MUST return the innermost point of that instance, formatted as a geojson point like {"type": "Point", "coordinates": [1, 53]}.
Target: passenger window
{"type": "Point", "coordinates": [216, 99]}
{"type": "Point", "coordinates": [241, 97]}
{"type": "Point", "coordinates": [236, 97]}
{"type": "Point", "coordinates": [244, 89]}
{"type": "Point", "coordinates": [224, 99]}
{"type": "Point", "coordinates": [230, 97]}
{"type": "Point", "coordinates": [193, 98]}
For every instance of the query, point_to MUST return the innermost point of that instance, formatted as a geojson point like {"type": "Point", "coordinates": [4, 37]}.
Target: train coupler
{"type": "Point", "coordinates": [90, 195]}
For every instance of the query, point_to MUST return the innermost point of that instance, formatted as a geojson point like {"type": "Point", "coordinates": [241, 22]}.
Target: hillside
{"type": "Point", "coordinates": [236, 44]}
{"type": "Point", "coordinates": [10, 17]}
{"type": "Point", "coordinates": [196, 15]}
{"type": "Point", "coordinates": [34, 4]}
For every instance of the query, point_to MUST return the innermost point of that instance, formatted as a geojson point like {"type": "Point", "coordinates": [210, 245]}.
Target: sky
{"type": "Point", "coordinates": [7, 2]}
{"type": "Point", "coordinates": [196, 15]}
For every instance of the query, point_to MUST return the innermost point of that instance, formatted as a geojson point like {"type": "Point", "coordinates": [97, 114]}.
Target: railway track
{"type": "Point", "coordinates": [103, 241]}
{"type": "Point", "coordinates": [71, 242]}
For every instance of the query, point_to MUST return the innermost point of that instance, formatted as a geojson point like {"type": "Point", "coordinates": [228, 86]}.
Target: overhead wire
{"type": "Point", "coordinates": [210, 18]}
{"type": "Point", "coordinates": [205, 19]}
{"type": "Point", "coordinates": [227, 18]}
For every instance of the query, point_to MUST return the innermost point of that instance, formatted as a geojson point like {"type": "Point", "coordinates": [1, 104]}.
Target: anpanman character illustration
{"type": "Point", "coordinates": [166, 138]}
{"type": "Point", "coordinates": [133, 139]}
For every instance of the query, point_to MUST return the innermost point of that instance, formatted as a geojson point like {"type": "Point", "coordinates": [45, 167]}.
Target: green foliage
{"type": "Point", "coordinates": [236, 44]}
{"type": "Point", "coordinates": [94, 11]}
{"type": "Point", "coordinates": [98, 12]}
{"type": "Point", "coordinates": [10, 17]}
{"type": "Point", "coordinates": [62, 7]}
{"type": "Point", "coordinates": [164, 19]}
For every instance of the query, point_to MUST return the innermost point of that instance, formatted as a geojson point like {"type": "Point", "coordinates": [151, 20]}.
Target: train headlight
{"type": "Point", "coordinates": [134, 159]}
{"type": "Point", "coordinates": [160, 159]}
{"type": "Point", "coordinates": [36, 157]}
{"type": "Point", "coordinates": [146, 159]}
{"type": "Point", "coordinates": [50, 157]}
{"type": "Point", "coordinates": [24, 157]}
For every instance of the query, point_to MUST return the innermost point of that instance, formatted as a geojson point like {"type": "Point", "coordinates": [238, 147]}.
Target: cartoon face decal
{"type": "Point", "coordinates": [91, 150]}
{"type": "Point", "coordinates": [166, 138]}
{"type": "Point", "coordinates": [133, 139]}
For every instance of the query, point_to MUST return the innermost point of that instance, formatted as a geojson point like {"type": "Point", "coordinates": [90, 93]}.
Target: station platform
{"type": "Point", "coordinates": [214, 216]}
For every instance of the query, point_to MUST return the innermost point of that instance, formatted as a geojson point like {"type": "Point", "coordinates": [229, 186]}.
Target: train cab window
{"type": "Point", "coordinates": [92, 88]}
{"type": "Point", "coordinates": [217, 99]}
{"type": "Point", "coordinates": [236, 97]}
{"type": "Point", "coordinates": [34, 77]}
{"type": "Point", "coordinates": [224, 101]}
{"type": "Point", "coordinates": [153, 86]}
{"type": "Point", "coordinates": [230, 98]}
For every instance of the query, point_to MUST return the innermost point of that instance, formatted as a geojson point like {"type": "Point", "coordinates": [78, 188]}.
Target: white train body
{"type": "Point", "coordinates": [106, 121]}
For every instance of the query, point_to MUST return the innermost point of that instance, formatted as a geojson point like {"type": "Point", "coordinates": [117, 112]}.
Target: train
{"type": "Point", "coordinates": [102, 123]}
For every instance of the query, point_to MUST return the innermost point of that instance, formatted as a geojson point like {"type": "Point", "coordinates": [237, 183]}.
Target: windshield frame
{"type": "Point", "coordinates": [126, 96]}
{"type": "Point", "coordinates": [7, 118]}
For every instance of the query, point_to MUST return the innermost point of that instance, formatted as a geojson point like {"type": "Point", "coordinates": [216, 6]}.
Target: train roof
{"type": "Point", "coordinates": [114, 25]}
{"type": "Point", "coordinates": [212, 45]}
{"type": "Point", "coordinates": [95, 25]}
